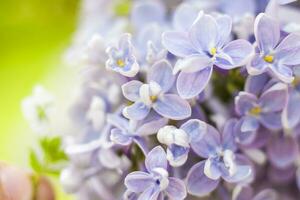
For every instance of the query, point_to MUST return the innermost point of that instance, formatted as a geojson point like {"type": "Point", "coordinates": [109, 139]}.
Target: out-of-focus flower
{"type": "Point", "coordinates": [201, 49]}
{"type": "Point", "coordinates": [273, 54]}
{"type": "Point", "coordinates": [38, 110]}
{"type": "Point", "coordinates": [155, 183]}
{"type": "Point", "coordinates": [122, 58]}
{"type": "Point", "coordinates": [155, 94]}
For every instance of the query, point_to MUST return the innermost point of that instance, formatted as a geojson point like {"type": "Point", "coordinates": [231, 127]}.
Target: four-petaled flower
{"type": "Point", "coordinates": [155, 94]}
{"type": "Point", "coordinates": [203, 46]}
{"type": "Point", "coordinates": [221, 161]}
{"type": "Point", "coordinates": [274, 55]}
{"type": "Point", "coordinates": [178, 140]}
{"type": "Point", "coordinates": [122, 58]}
{"type": "Point", "coordinates": [155, 183]}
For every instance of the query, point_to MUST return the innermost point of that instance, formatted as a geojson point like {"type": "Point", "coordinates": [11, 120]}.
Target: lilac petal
{"type": "Point", "coordinates": [136, 111]}
{"type": "Point", "coordinates": [288, 51]}
{"type": "Point", "coordinates": [198, 183]}
{"type": "Point", "coordinates": [228, 137]}
{"type": "Point", "coordinates": [290, 115]}
{"type": "Point", "coordinates": [120, 137]}
{"type": "Point", "coordinates": [267, 32]}
{"type": "Point", "coordinates": [161, 73]}
{"type": "Point", "coordinates": [224, 29]}
{"type": "Point", "coordinates": [192, 64]}
{"type": "Point", "coordinates": [238, 52]}
{"type": "Point", "coordinates": [151, 193]}
{"type": "Point", "coordinates": [177, 155]}
{"type": "Point", "coordinates": [244, 138]}
{"type": "Point", "coordinates": [173, 107]}
{"type": "Point", "coordinates": [151, 124]}
{"type": "Point", "coordinates": [282, 151]}
{"type": "Point", "coordinates": [212, 169]}
{"type": "Point", "coordinates": [274, 99]}
{"type": "Point", "coordinates": [138, 181]}
{"type": "Point", "coordinates": [255, 84]}
{"type": "Point", "coordinates": [257, 65]}
{"type": "Point", "coordinates": [242, 193]}
{"type": "Point", "coordinates": [184, 16]}
{"type": "Point", "coordinates": [208, 144]}
{"type": "Point", "coordinates": [271, 120]}
{"type": "Point", "coordinates": [244, 102]}
{"type": "Point", "coordinates": [275, 175]}
{"type": "Point", "coordinates": [142, 13]}
{"type": "Point", "coordinates": [156, 158]}
{"type": "Point", "coordinates": [118, 121]}
{"type": "Point", "coordinates": [190, 85]}
{"type": "Point", "coordinates": [177, 43]}
{"type": "Point", "coordinates": [131, 90]}
{"type": "Point", "coordinates": [242, 173]}
{"type": "Point", "coordinates": [176, 189]}
{"type": "Point", "coordinates": [204, 33]}
{"type": "Point", "coordinates": [195, 129]}
{"type": "Point", "coordinates": [249, 124]}
{"type": "Point", "coordinates": [142, 144]}
{"type": "Point", "coordinates": [266, 194]}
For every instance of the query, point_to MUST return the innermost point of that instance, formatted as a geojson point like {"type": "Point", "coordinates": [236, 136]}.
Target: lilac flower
{"type": "Point", "coordinates": [130, 131]}
{"type": "Point", "coordinates": [221, 161]}
{"type": "Point", "coordinates": [155, 95]}
{"type": "Point", "coordinates": [178, 140]}
{"type": "Point", "coordinates": [265, 109]}
{"type": "Point", "coordinates": [122, 59]}
{"type": "Point", "coordinates": [201, 49]}
{"type": "Point", "coordinates": [273, 55]}
{"type": "Point", "coordinates": [155, 183]}
{"type": "Point", "coordinates": [247, 193]}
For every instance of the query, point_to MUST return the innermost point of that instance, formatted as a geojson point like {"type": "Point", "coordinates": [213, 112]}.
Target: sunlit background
{"type": "Point", "coordinates": [33, 36]}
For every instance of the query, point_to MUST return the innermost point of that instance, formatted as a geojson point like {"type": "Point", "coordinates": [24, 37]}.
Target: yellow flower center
{"type": "Point", "coordinates": [296, 81]}
{"type": "Point", "coordinates": [153, 98]}
{"type": "Point", "coordinates": [269, 58]}
{"type": "Point", "coordinates": [120, 63]}
{"type": "Point", "coordinates": [255, 111]}
{"type": "Point", "coordinates": [213, 51]}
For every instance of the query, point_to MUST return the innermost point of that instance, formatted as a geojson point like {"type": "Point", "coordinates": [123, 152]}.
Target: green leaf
{"type": "Point", "coordinates": [34, 161]}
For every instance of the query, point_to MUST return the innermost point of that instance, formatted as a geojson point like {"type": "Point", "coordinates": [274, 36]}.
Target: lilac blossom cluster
{"type": "Point", "coordinates": [185, 100]}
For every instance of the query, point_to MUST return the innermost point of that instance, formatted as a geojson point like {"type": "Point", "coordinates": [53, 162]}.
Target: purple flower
{"type": "Point", "coordinates": [201, 47]}
{"type": "Point", "coordinates": [130, 131]}
{"type": "Point", "coordinates": [265, 109]}
{"type": "Point", "coordinates": [155, 183]}
{"type": "Point", "coordinates": [121, 58]}
{"type": "Point", "coordinates": [178, 140]}
{"type": "Point", "coordinates": [272, 54]}
{"type": "Point", "coordinates": [155, 95]}
{"type": "Point", "coordinates": [221, 161]}
{"type": "Point", "coordinates": [247, 193]}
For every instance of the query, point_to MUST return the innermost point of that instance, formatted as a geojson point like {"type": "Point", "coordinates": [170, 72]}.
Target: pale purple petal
{"type": "Point", "coordinates": [242, 173]}
{"type": "Point", "coordinates": [136, 111]}
{"type": "Point", "coordinates": [161, 73]}
{"type": "Point", "coordinates": [131, 90]}
{"type": "Point", "coordinates": [208, 144]}
{"type": "Point", "coordinates": [177, 43]}
{"type": "Point", "coordinates": [228, 137]}
{"type": "Point", "coordinates": [274, 99]}
{"type": "Point", "coordinates": [198, 183]}
{"type": "Point", "coordinates": [138, 181]}
{"type": "Point", "coordinates": [195, 129]}
{"type": "Point", "coordinates": [237, 51]}
{"type": "Point", "coordinates": [176, 189]}
{"type": "Point", "coordinates": [192, 64]}
{"type": "Point", "coordinates": [151, 193]}
{"type": "Point", "coordinates": [204, 33]}
{"type": "Point", "coordinates": [120, 137]}
{"type": "Point", "coordinates": [257, 65]}
{"type": "Point", "coordinates": [190, 85]}
{"type": "Point", "coordinates": [255, 84]}
{"type": "Point", "coordinates": [249, 124]}
{"type": "Point", "coordinates": [151, 124]}
{"type": "Point", "coordinates": [156, 158]}
{"type": "Point", "coordinates": [271, 120]}
{"type": "Point", "coordinates": [244, 138]}
{"type": "Point", "coordinates": [276, 174]}
{"type": "Point", "coordinates": [118, 121]}
{"type": "Point", "coordinates": [288, 51]}
{"type": "Point", "coordinates": [267, 32]}
{"type": "Point", "coordinates": [224, 23]}
{"type": "Point", "coordinates": [291, 112]}
{"type": "Point", "coordinates": [244, 102]}
{"type": "Point", "coordinates": [184, 16]}
{"type": "Point", "coordinates": [266, 194]}
{"type": "Point", "coordinates": [282, 151]}
{"type": "Point", "coordinates": [173, 107]}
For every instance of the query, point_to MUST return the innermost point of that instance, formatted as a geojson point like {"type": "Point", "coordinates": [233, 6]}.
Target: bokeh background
{"type": "Point", "coordinates": [33, 37]}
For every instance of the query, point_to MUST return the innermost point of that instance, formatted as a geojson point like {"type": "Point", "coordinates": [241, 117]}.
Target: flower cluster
{"type": "Point", "coordinates": [182, 100]}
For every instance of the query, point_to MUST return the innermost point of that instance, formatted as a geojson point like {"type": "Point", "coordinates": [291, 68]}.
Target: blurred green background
{"type": "Point", "coordinates": [33, 36]}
